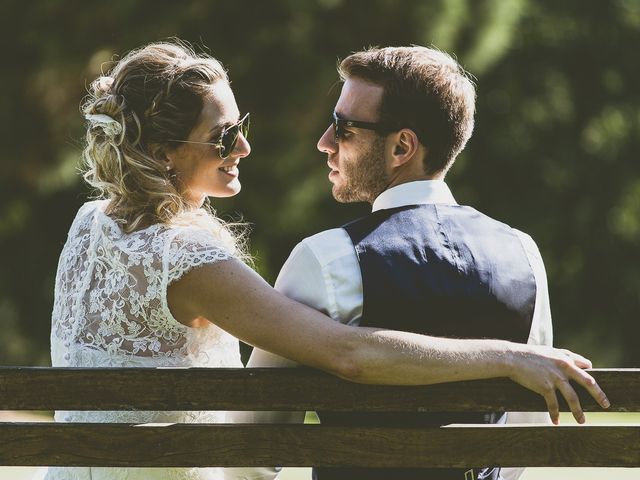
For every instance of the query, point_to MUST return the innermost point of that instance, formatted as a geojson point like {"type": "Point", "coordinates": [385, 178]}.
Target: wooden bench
{"type": "Point", "coordinates": [38, 444]}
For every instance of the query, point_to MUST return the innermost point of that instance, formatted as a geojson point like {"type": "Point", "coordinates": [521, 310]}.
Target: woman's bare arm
{"type": "Point", "coordinates": [234, 297]}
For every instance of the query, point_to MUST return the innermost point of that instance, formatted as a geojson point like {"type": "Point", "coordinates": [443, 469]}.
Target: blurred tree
{"type": "Point", "coordinates": [557, 126]}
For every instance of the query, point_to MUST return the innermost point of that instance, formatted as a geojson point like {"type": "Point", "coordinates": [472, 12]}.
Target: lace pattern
{"type": "Point", "coordinates": [111, 309]}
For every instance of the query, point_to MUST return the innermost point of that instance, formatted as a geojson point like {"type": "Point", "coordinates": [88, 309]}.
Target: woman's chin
{"type": "Point", "coordinates": [229, 190]}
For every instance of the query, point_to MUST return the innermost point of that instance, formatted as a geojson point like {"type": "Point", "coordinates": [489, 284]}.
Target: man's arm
{"type": "Point", "coordinates": [541, 334]}
{"type": "Point", "coordinates": [321, 272]}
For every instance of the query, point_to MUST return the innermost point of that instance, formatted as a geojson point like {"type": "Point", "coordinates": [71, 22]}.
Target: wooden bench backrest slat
{"type": "Point", "coordinates": [28, 388]}
{"type": "Point", "coordinates": [305, 445]}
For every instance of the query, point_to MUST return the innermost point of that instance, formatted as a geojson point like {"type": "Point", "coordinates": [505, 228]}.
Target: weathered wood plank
{"type": "Point", "coordinates": [33, 388]}
{"type": "Point", "coordinates": [305, 445]}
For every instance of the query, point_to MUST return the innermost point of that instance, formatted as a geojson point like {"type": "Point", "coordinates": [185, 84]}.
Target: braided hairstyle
{"type": "Point", "coordinates": [152, 94]}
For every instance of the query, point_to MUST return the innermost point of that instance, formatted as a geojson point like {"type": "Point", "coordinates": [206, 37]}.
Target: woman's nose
{"type": "Point", "coordinates": [243, 148]}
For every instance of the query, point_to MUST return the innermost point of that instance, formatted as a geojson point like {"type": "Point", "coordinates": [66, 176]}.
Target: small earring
{"type": "Point", "coordinates": [168, 167]}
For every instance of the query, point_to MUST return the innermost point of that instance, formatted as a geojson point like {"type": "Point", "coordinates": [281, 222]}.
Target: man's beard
{"type": "Point", "coordinates": [365, 178]}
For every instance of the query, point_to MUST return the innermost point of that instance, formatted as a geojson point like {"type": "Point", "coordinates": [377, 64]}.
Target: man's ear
{"type": "Point", "coordinates": [405, 146]}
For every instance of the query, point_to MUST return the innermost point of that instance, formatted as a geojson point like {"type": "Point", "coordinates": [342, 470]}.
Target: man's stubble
{"type": "Point", "coordinates": [365, 178]}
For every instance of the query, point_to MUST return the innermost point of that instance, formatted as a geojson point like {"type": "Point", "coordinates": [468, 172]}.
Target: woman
{"type": "Point", "coordinates": [149, 278]}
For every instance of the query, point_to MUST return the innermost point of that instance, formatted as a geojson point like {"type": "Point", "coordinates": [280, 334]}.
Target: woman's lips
{"type": "Point", "coordinates": [231, 170]}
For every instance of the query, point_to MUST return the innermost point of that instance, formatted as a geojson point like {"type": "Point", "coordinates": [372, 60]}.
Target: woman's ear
{"type": "Point", "coordinates": [405, 147]}
{"type": "Point", "coordinates": [168, 165]}
{"type": "Point", "coordinates": [165, 157]}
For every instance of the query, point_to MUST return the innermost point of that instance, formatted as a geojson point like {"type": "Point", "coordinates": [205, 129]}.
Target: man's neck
{"type": "Point", "coordinates": [400, 179]}
{"type": "Point", "coordinates": [408, 179]}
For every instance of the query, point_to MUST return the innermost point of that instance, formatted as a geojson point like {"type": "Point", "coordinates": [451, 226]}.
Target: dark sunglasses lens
{"type": "Point", "coordinates": [228, 141]}
{"type": "Point", "coordinates": [244, 126]}
{"type": "Point", "coordinates": [338, 129]}
{"type": "Point", "coordinates": [230, 136]}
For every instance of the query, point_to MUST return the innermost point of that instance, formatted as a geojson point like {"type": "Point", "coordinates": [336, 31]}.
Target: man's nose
{"type": "Point", "coordinates": [327, 142]}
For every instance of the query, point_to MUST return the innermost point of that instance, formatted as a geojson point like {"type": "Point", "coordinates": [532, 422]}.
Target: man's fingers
{"type": "Point", "coordinates": [573, 401]}
{"type": "Point", "coordinates": [552, 406]}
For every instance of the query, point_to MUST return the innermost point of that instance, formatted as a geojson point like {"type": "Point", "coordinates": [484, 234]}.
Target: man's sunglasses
{"type": "Point", "coordinates": [339, 125]}
{"type": "Point", "coordinates": [228, 137]}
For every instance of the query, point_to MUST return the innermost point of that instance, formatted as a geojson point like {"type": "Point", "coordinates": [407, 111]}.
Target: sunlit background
{"type": "Point", "coordinates": [553, 154]}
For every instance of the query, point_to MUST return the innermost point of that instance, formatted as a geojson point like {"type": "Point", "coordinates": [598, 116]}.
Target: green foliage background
{"type": "Point", "coordinates": [558, 126]}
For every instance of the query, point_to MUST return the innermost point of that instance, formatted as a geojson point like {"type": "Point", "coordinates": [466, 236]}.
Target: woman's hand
{"type": "Point", "coordinates": [546, 369]}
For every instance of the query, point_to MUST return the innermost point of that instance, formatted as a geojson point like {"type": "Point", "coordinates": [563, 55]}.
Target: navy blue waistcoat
{"type": "Point", "coordinates": [439, 270]}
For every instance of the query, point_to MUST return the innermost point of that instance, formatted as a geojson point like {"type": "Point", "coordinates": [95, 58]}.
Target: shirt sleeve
{"type": "Point", "coordinates": [323, 273]}
{"type": "Point", "coordinates": [308, 277]}
{"type": "Point", "coordinates": [541, 334]}
{"type": "Point", "coordinates": [302, 279]}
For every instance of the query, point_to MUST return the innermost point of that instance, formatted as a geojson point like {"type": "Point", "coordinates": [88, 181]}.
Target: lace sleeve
{"type": "Point", "coordinates": [191, 248]}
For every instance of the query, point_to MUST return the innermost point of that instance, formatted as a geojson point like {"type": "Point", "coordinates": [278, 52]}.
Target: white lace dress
{"type": "Point", "coordinates": [111, 310]}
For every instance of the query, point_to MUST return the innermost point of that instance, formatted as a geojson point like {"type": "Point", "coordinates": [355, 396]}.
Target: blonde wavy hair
{"type": "Point", "coordinates": [152, 94]}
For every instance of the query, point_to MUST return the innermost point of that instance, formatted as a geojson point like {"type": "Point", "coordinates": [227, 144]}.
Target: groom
{"type": "Point", "coordinates": [419, 262]}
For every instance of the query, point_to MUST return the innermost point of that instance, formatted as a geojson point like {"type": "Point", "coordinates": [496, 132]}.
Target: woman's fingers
{"type": "Point", "coordinates": [553, 370]}
{"type": "Point", "coordinates": [572, 399]}
{"type": "Point", "coordinates": [589, 383]}
{"type": "Point", "coordinates": [552, 406]}
{"type": "Point", "coordinates": [585, 380]}
{"type": "Point", "coordinates": [578, 359]}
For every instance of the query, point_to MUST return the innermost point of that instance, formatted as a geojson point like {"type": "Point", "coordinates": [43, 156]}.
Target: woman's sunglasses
{"type": "Point", "coordinates": [228, 137]}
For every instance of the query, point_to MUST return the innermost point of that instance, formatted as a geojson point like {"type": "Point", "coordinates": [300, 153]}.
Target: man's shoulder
{"type": "Point", "coordinates": [523, 236]}
{"type": "Point", "coordinates": [527, 242]}
{"type": "Point", "coordinates": [328, 245]}
{"type": "Point", "coordinates": [529, 245]}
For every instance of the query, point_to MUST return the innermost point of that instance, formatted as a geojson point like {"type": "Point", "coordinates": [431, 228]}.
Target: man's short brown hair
{"type": "Point", "coordinates": [425, 90]}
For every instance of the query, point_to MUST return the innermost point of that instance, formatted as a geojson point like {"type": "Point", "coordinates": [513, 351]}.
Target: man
{"type": "Point", "coordinates": [419, 262]}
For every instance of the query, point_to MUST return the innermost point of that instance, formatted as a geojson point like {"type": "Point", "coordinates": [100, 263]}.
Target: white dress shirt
{"type": "Point", "coordinates": [323, 272]}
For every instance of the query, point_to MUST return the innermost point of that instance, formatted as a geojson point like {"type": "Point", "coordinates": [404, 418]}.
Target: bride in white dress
{"type": "Point", "coordinates": [150, 278]}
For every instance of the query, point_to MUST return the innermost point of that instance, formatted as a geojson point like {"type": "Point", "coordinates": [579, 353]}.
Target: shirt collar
{"type": "Point", "coordinates": [415, 193]}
